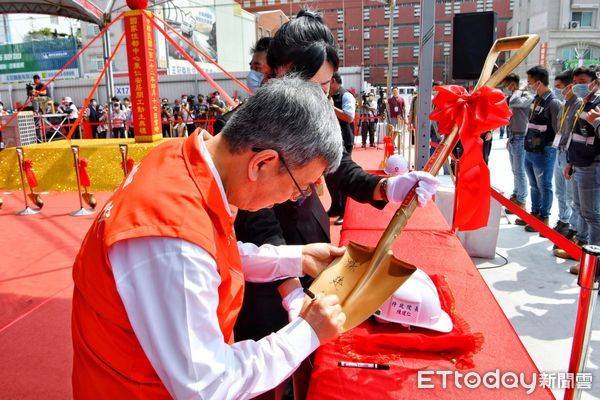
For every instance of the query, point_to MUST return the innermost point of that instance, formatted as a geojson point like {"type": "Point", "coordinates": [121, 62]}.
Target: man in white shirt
{"type": "Point", "coordinates": [159, 278]}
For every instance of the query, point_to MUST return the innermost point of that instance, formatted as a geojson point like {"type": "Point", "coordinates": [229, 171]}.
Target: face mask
{"type": "Point", "coordinates": [93, 103]}
{"type": "Point", "coordinates": [1, 107]}
{"type": "Point", "coordinates": [558, 93]}
{"type": "Point", "coordinates": [184, 99]}
{"type": "Point", "coordinates": [507, 91]}
{"type": "Point", "coordinates": [533, 87]}
{"type": "Point", "coordinates": [581, 90]}
{"type": "Point", "coordinates": [253, 80]}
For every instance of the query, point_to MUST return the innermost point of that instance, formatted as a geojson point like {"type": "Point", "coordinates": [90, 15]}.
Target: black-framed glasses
{"type": "Point", "coordinates": [304, 193]}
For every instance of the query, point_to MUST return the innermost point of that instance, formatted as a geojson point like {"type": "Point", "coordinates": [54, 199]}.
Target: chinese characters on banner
{"type": "Point", "coordinates": [143, 76]}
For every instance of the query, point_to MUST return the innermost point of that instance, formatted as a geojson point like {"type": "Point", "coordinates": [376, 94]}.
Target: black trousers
{"type": "Point", "coordinates": [368, 128]}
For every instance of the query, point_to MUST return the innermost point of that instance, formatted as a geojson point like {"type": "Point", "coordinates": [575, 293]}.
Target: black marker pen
{"type": "Point", "coordinates": [363, 365]}
{"type": "Point", "coordinates": [309, 294]}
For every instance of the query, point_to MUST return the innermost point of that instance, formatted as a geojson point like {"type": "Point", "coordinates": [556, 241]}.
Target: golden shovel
{"type": "Point", "coordinates": [34, 197]}
{"type": "Point", "coordinates": [364, 277]}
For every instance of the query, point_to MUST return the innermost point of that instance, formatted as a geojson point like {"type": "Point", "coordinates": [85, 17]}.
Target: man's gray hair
{"type": "Point", "coordinates": [291, 116]}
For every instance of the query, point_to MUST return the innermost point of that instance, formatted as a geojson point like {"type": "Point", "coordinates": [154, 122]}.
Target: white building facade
{"type": "Point", "coordinates": [569, 32]}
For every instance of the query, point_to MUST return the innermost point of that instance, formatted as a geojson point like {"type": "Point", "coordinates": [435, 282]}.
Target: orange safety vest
{"type": "Point", "coordinates": [171, 193]}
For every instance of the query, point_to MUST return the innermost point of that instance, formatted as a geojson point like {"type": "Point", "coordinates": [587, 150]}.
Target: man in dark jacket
{"type": "Point", "coordinates": [344, 106]}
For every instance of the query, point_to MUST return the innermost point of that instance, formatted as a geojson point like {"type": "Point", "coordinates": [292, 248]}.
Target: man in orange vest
{"type": "Point", "coordinates": [159, 278]}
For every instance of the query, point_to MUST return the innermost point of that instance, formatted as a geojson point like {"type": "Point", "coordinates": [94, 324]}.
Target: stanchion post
{"type": "Point", "coordinates": [82, 211]}
{"type": "Point", "coordinates": [124, 150]}
{"type": "Point", "coordinates": [27, 210]}
{"type": "Point", "coordinates": [588, 280]}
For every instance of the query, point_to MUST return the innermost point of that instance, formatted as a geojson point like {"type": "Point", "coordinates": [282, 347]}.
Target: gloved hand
{"type": "Point", "coordinates": [399, 186]}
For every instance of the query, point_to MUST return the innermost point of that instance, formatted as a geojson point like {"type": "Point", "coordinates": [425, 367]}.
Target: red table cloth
{"type": "Point", "coordinates": [428, 243]}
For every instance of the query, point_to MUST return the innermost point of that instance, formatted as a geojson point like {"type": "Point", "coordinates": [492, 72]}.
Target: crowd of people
{"type": "Point", "coordinates": [554, 143]}
{"type": "Point", "coordinates": [114, 119]}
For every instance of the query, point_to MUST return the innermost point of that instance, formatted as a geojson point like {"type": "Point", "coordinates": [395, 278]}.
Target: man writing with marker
{"type": "Point", "coordinates": [159, 284]}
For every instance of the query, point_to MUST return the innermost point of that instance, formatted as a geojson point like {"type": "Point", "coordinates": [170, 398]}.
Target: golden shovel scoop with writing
{"type": "Point", "coordinates": [364, 277]}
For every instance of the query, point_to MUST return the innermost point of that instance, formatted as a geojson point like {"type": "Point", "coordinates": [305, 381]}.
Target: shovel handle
{"type": "Point", "coordinates": [523, 44]}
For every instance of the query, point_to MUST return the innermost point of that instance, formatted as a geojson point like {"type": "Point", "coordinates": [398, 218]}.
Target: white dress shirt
{"type": "Point", "coordinates": [349, 104]}
{"type": "Point", "coordinates": [169, 288]}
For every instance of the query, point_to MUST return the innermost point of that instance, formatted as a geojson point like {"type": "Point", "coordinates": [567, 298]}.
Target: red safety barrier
{"type": "Point", "coordinates": [549, 233]}
{"type": "Point", "coordinates": [357, 120]}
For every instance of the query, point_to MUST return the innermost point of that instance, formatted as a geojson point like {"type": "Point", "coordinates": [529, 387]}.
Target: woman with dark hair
{"type": "Point", "coordinates": [305, 46]}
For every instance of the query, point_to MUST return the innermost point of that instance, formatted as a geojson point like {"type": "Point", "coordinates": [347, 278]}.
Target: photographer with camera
{"type": "Point", "coordinates": [39, 95]}
{"type": "Point", "coordinates": [201, 112]}
{"type": "Point", "coordinates": [166, 115]}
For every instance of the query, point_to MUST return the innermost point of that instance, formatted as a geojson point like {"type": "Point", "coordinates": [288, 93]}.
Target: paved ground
{"type": "Point", "coordinates": [534, 288]}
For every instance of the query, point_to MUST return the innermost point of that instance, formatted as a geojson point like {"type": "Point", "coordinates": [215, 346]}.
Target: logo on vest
{"type": "Point", "coordinates": [105, 213]}
{"type": "Point", "coordinates": [130, 175]}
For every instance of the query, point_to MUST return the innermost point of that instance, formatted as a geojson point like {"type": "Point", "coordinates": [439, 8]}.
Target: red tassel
{"type": "Point", "coordinates": [31, 179]}
{"type": "Point", "coordinates": [84, 178]}
{"type": "Point", "coordinates": [130, 164]}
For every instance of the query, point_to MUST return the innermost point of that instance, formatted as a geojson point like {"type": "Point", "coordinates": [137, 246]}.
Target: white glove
{"type": "Point", "coordinates": [399, 186]}
{"type": "Point", "coordinates": [293, 303]}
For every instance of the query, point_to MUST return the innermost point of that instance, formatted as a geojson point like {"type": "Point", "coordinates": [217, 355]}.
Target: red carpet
{"type": "Point", "coordinates": [36, 286]}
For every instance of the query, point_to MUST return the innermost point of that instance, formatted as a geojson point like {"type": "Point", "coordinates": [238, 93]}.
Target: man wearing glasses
{"type": "Point", "coordinates": [159, 283]}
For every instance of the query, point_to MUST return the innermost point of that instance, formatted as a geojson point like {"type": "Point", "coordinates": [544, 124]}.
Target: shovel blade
{"type": "Point", "coordinates": [373, 291]}
{"type": "Point", "coordinates": [359, 296]}
{"type": "Point", "coordinates": [343, 274]}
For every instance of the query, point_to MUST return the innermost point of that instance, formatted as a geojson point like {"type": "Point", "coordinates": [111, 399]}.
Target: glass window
{"type": "Point", "coordinates": [583, 17]}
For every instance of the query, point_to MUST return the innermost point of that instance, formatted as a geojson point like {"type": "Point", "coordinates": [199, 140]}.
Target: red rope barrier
{"type": "Point", "coordinates": [191, 60]}
{"type": "Point", "coordinates": [84, 48]}
{"type": "Point", "coordinates": [95, 87]}
{"type": "Point", "coordinates": [556, 238]}
{"type": "Point", "coordinates": [193, 46]}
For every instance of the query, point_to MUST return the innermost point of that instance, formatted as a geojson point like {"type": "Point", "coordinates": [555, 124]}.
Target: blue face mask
{"type": "Point", "coordinates": [253, 80]}
{"type": "Point", "coordinates": [533, 88]}
{"type": "Point", "coordinates": [558, 94]}
{"type": "Point", "coordinates": [581, 90]}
